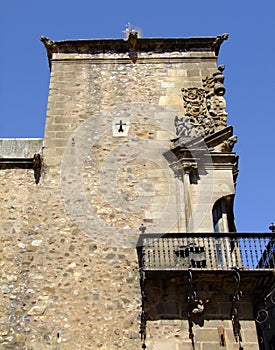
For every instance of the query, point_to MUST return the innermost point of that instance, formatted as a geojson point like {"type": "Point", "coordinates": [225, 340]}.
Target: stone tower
{"type": "Point", "coordinates": [118, 226]}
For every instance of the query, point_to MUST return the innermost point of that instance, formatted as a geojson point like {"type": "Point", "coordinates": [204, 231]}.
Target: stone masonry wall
{"type": "Point", "coordinates": [60, 288]}
{"type": "Point", "coordinates": [69, 270]}
{"type": "Point", "coordinates": [82, 87]}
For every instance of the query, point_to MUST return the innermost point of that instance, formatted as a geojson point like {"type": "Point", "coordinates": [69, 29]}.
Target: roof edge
{"type": "Point", "coordinates": [134, 43]}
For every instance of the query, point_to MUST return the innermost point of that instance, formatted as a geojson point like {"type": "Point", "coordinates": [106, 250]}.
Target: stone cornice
{"type": "Point", "coordinates": [134, 45]}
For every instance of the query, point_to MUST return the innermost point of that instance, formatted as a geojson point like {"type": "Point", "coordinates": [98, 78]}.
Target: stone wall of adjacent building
{"type": "Point", "coordinates": [69, 269]}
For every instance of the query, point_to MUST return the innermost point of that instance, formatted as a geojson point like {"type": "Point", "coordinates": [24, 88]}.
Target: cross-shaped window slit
{"type": "Point", "coordinates": [120, 124]}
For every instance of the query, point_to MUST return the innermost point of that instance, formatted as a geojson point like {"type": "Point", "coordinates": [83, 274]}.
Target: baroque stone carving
{"type": "Point", "coordinates": [194, 102]}
{"type": "Point", "coordinates": [214, 97]}
{"type": "Point", "coordinates": [204, 108]}
{"type": "Point", "coordinates": [189, 126]}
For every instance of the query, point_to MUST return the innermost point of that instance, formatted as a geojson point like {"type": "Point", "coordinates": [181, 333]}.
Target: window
{"type": "Point", "coordinates": [223, 221]}
{"type": "Point", "coordinates": [223, 218]}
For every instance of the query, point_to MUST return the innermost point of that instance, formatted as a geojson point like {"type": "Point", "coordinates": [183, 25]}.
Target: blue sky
{"type": "Point", "coordinates": [248, 56]}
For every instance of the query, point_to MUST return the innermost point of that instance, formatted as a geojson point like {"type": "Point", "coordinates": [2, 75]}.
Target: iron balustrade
{"type": "Point", "coordinates": [206, 251]}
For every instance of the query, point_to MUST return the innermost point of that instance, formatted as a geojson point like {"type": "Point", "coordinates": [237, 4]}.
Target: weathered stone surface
{"type": "Point", "coordinates": [70, 279]}
{"type": "Point", "coordinates": [20, 148]}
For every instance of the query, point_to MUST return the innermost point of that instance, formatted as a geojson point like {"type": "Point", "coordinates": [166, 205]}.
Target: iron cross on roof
{"type": "Point", "coordinates": [120, 124]}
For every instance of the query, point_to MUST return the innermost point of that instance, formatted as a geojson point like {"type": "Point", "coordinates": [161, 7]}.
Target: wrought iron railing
{"type": "Point", "coordinates": [207, 251]}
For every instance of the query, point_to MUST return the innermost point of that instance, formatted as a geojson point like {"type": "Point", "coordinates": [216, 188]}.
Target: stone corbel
{"type": "Point", "coordinates": [227, 145]}
{"type": "Point", "coordinates": [50, 45]}
{"type": "Point", "coordinates": [219, 40]}
{"type": "Point", "coordinates": [47, 42]}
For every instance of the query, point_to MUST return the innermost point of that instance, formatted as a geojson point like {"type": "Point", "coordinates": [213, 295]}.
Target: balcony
{"type": "Point", "coordinates": [205, 271]}
{"type": "Point", "coordinates": [206, 251]}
